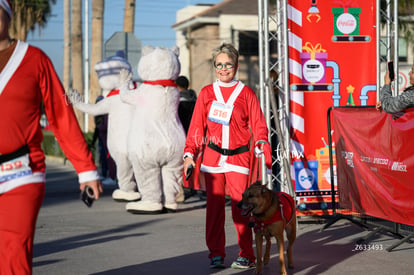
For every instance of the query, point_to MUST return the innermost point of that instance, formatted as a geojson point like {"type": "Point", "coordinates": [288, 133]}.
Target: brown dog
{"type": "Point", "coordinates": [272, 214]}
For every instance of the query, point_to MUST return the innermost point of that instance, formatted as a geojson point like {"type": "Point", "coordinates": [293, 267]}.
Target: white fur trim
{"type": "Point", "coordinates": [13, 63]}
{"type": "Point", "coordinates": [226, 84]}
{"type": "Point", "coordinates": [188, 155]}
{"type": "Point", "coordinates": [88, 176]}
{"type": "Point", "coordinates": [36, 177]}
{"type": "Point", "coordinates": [225, 168]}
{"type": "Point", "coordinates": [225, 140]}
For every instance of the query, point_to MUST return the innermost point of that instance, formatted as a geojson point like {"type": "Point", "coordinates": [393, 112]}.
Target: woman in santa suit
{"type": "Point", "coordinates": [27, 78]}
{"type": "Point", "coordinates": [226, 113]}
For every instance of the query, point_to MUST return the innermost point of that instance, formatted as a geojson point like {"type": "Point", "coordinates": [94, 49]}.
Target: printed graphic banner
{"type": "Point", "coordinates": [375, 162]}
{"type": "Point", "coordinates": [332, 62]}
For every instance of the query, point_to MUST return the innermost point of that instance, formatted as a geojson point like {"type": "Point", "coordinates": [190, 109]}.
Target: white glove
{"type": "Point", "coordinates": [125, 77]}
{"type": "Point", "coordinates": [74, 97]}
{"type": "Point", "coordinates": [257, 151]}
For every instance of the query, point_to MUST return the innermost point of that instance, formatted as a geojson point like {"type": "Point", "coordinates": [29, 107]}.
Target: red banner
{"type": "Point", "coordinates": [375, 162]}
{"type": "Point", "coordinates": [332, 57]}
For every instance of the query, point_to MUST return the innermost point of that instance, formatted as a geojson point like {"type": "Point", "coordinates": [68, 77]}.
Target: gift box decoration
{"type": "Point", "coordinates": [313, 63]}
{"type": "Point", "coordinates": [346, 21]}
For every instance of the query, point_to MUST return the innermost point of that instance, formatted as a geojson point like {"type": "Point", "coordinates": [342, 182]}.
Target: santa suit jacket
{"type": "Point", "coordinates": [246, 119]}
{"type": "Point", "coordinates": [28, 79]}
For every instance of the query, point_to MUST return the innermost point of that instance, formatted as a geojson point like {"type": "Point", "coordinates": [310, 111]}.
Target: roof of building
{"type": "Point", "coordinates": [230, 7]}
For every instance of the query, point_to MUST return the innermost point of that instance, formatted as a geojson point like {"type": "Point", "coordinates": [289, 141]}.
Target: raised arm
{"type": "Point", "coordinates": [100, 108]}
{"type": "Point", "coordinates": [127, 94]}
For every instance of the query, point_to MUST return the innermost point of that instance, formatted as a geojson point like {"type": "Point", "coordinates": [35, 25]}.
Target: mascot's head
{"type": "Point", "coordinates": [159, 63]}
{"type": "Point", "coordinates": [108, 71]}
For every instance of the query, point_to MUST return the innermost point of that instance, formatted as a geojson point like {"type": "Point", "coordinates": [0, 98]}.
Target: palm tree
{"type": "Point", "coordinates": [96, 49]}
{"type": "Point", "coordinates": [129, 16]}
{"type": "Point", "coordinates": [405, 18]}
{"type": "Point", "coordinates": [27, 14]}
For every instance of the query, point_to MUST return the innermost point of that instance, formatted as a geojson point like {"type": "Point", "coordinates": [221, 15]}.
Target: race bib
{"type": "Point", "coordinates": [220, 113]}
{"type": "Point", "coordinates": [15, 168]}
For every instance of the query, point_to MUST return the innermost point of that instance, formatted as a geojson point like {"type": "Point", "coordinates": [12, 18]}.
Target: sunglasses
{"type": "Point", "coordinates": [227, 65]}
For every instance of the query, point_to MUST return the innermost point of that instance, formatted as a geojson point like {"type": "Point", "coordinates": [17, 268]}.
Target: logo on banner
{"type": "Point", "coordinates": [399, 166]}
{"type": "Point", "coordinates": [349, 158]}
{"type": "Point", "coordinates": [306, 178]}
{"type": "Point", "coordinates": [346, 23]}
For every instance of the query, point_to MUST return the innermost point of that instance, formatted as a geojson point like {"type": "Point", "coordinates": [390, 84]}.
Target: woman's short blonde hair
{"type": "Point", "coordinates": [228, 49]}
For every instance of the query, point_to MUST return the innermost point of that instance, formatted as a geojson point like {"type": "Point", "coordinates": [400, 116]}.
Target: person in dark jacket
{"type": "Point", "coordinates": [391, 104]}
{"type": "Point", "coordinates": [107, 164]}
{"type": "Point", "coordinates": [188, 99]}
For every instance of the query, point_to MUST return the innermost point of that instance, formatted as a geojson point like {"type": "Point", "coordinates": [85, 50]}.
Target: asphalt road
{"type": "Point", "coordinates": [105, 239]}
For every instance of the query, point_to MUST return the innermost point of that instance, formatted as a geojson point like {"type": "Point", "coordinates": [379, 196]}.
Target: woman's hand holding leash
{"type": "Point", "coordinates": [264, 148]}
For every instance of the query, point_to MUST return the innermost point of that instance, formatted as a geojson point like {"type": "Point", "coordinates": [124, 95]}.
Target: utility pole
{"type": "Point", "coordinates": [76, 55]}
{"type": "Point", "coordinates": [129, 16]}
{"type": "Point", "coordinates": [67, 83]}
{"type": "Point", "coordinates": [86, 63]}
{"type": "Point", "coordinates": [96, 49]}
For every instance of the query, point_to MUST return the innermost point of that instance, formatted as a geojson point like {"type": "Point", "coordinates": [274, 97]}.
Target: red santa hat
{"type": "Point", "coordinates": [7, 7]}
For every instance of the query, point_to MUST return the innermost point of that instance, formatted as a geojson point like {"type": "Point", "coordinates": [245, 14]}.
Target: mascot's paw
{"type": "Point", "coordinates": [125, 77]}
{"type": "Point", "coordinates": [170, 207]}
{"type": "Point", "coordinates": [180, 197]}
{"type": "Point", "coordinates": [123, 196]}
{"type": "Point", "coordinates": [144, 207]}
{"type": "Point", "coordinates": [74, 97]}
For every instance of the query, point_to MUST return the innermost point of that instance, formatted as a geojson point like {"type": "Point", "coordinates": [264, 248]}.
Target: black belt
{"type": "Point", "coordinates": [18, 153]}
{"type": "Point", "coordinates": [228, 152]}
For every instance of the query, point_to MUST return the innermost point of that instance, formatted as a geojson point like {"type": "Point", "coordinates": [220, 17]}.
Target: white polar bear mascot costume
{"type": "Point", "coordinates": [119, 118]}
{"type": "Point", "coordinates": [156, 138]}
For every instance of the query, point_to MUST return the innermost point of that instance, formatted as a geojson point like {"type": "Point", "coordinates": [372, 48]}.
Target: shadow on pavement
{"type": "Point", "coordinates": [189, 264]}
{"type": "Point", "coordinates": [99, 237]}
{"type": "Point", "coordinates": [317, 251]}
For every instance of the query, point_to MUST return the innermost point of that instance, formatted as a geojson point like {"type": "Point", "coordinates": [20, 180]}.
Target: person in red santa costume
{"type": "Point", "coordinates": [27, 78]}
{"type": "Point", "coordinates": [226, 114]}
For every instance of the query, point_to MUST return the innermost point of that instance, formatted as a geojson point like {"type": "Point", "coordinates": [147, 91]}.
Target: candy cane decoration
{"type": "Point", "coordinates": [297, 121]}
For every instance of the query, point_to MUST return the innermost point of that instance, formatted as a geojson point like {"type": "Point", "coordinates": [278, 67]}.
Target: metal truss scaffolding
{"type": "Point", "coordinates": [274, 93]}
{"type": "Point", "coordinates": [273, 18]}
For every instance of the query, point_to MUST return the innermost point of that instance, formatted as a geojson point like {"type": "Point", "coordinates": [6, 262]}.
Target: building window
{"type": "Point", "coordinates": [402, 49]}
{"type": "Point", "coordinates": [249, 43]}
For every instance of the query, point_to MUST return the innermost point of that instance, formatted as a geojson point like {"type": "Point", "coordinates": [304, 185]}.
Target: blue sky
{"type": "Point", "coordinates": [153, 21]}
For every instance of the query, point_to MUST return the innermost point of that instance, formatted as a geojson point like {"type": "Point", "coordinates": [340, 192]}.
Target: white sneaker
{"type": "Point", "coordinates": [122, 196]}
{"type": "Point", "coordinates": [144, 207]}
{"type": "Point", "coordinates": [171, 207]}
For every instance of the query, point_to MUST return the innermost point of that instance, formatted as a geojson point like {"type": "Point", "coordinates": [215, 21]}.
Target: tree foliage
{"type": "Point", "coordinates": [405, 18]}
{"type": "Point", "coordinates": [29, 14]}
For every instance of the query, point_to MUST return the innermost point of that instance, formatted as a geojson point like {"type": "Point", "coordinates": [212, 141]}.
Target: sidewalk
{"type": "Point", "coordinates": [72, 239]}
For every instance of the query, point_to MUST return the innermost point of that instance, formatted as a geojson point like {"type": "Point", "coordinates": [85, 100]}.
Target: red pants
{"type": "Point", "coordinates": [215, 214]}
{"type": "Point", "coordinates": [18, 213]}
